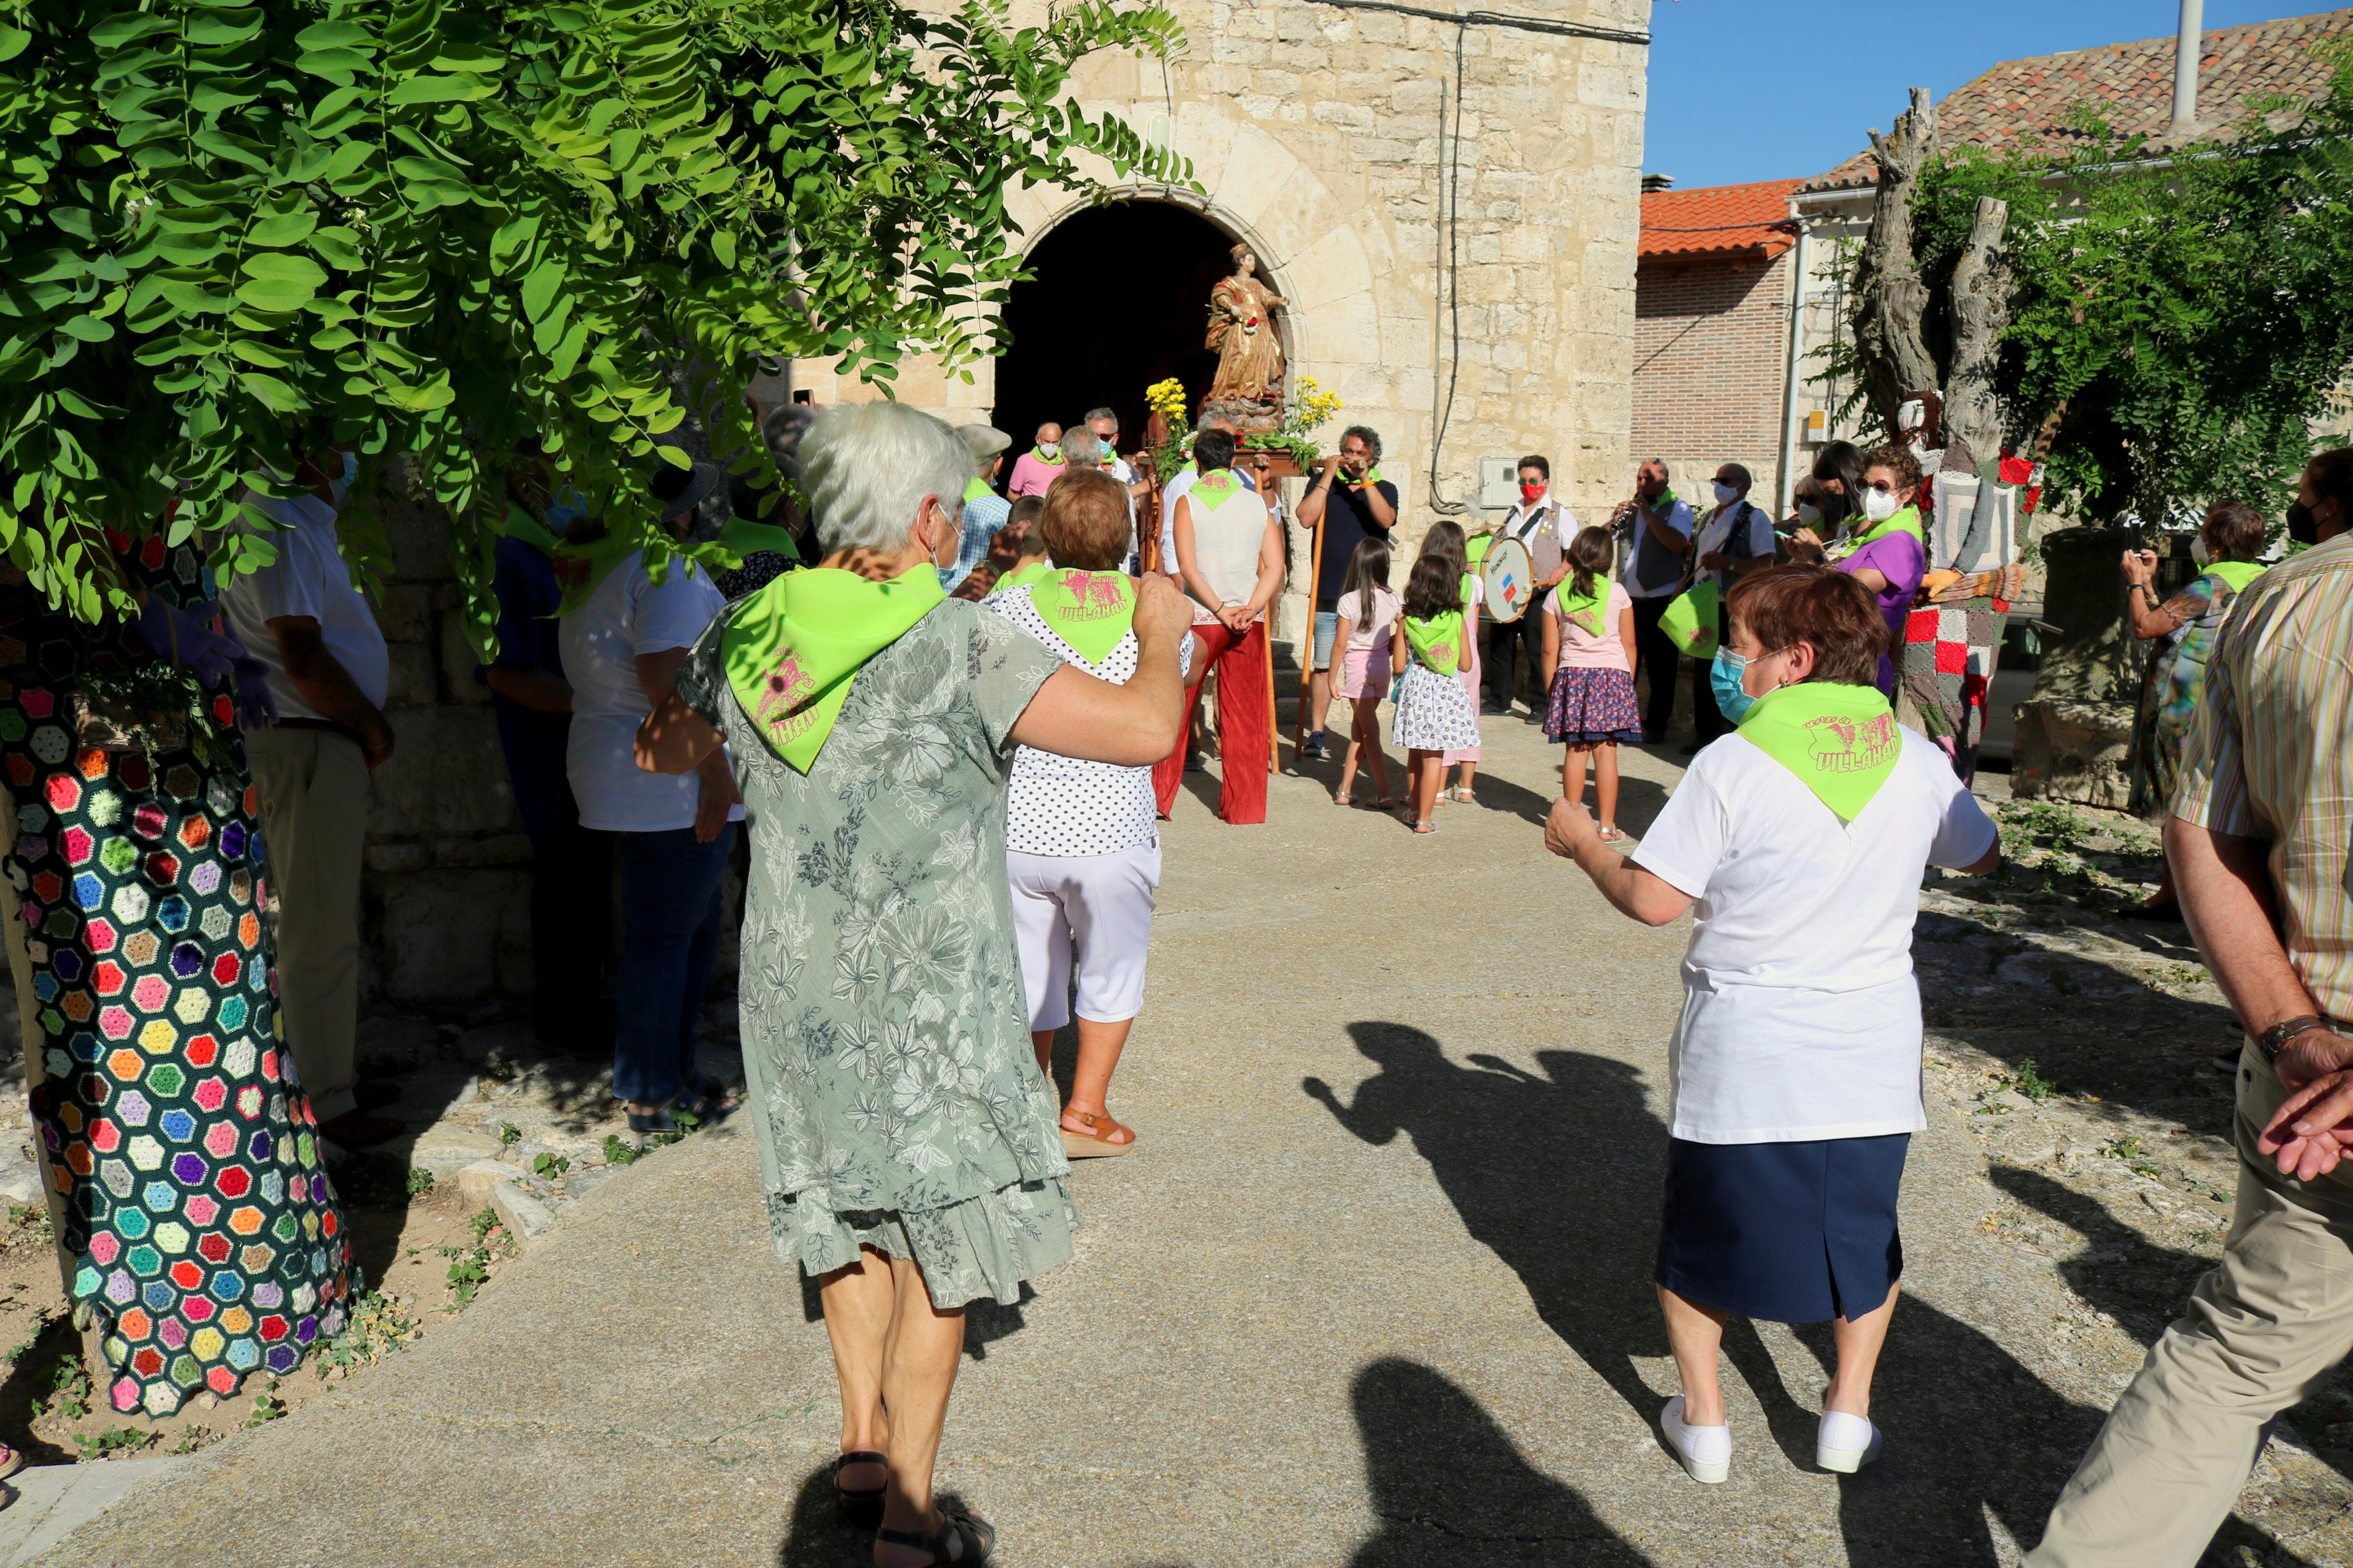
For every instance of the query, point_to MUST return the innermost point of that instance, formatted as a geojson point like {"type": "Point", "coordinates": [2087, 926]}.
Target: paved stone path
{"type": "Point", "coordinates": [1375, 1290]}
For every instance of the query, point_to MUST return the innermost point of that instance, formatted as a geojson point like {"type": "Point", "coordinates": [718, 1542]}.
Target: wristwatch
{"type": "Point", "coordinates": [2276, 1038]}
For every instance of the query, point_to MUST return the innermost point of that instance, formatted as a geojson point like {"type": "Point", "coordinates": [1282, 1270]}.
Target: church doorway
{"type": "Point", "coordinates": [1117, 298]}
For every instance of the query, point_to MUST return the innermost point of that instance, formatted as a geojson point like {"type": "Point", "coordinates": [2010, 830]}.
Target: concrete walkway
{"type": "Point", "coordinates": [1374, 1292]}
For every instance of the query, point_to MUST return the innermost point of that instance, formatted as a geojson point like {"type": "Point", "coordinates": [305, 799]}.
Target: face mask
{"type": "Point", "coordinates": [1724, 494]}
{"type": "Point", "coordinates": [1724, 676]}
{"type": "Point", "coordinates": [2198, 549]}
{"type": "Point", "coordinates": [1809, 512]}
{"type": "Point", "coordinates": [1911, 417]}
{"type": "Point", "coordinates": [1530, 494]}
{"type": "Point", "coordinates": [351, 471]}
{"type": "Point", "coordinates": [2302, 526]}
{"type": "Point", "coordinates": [1879, 505]}
{"type": "Point", "coordinates": [1049, 450]}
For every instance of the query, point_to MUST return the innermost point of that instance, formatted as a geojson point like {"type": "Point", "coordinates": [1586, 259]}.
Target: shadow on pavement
{"type": "Point", "coordinates": [1506, 1146]}
{"type": "Point", "coordinates": [1449, 1486]}
{"type": "Point", "coordinates": [1560, 1174]}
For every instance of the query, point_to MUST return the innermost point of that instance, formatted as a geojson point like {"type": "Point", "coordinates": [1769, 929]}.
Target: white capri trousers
{"type": "Point", "coordinates": [1104, 903]}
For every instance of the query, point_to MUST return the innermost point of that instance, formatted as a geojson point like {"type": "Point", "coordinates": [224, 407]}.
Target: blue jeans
{"type": "Point", "coordinates": [669, 938]}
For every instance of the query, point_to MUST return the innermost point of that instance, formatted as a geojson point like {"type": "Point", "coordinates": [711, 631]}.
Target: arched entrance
{"type": "Point", "coordinates": [1117, 298]}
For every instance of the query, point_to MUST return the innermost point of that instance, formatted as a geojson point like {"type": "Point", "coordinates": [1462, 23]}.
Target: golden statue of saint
{"type": "Point", "coordinates": [1241, 329]}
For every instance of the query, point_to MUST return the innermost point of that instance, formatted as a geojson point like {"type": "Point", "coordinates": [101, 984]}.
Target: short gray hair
{"type": "Point", "coordinates": [1368, 435]}
{"type": "Point", "coordinates": [865, 465]}
{"type": "Point", "coordinates": [1095, 413]}
{"type": "Point", "coordinates": [1082, 448]}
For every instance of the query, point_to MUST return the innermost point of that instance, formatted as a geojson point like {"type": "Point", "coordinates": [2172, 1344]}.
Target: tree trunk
{"type": "Point", "coordinates": [1893, 298]}
{"type": "Point", "coordinates": [1980, 315]}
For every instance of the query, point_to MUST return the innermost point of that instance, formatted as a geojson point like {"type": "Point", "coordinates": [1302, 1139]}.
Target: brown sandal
{"type": "Point", "coordinates": [1095, 1143]}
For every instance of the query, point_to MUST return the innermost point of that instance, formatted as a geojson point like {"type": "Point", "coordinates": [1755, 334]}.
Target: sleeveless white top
{"type": "Point", "coordinates": [1226, 542]}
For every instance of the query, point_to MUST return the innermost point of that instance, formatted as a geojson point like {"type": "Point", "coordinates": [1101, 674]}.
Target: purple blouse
{"type": "Point", "coordinates": [1902, 560]}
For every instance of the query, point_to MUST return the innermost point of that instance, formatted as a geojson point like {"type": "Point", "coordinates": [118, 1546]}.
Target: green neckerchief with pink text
{"type": "Point", "coordinates": [1436, 642]}
{"type": "Point", "coordinates": [1089, 610]}
{"type": "Point", "coordinates": [792, 649]}
{"type": "Point", "coordinates": [1841, 740]}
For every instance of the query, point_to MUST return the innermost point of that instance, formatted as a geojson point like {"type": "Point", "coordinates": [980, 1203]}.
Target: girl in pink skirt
{"type": "Point", "coordinates": [1374, 640]}
{"type": "Point", "coordinates": [1588, 642]}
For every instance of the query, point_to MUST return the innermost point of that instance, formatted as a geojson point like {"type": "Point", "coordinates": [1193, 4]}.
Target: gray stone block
{"type": "Point", "coordinates": [447, 775]}
{"type": "Point", "coordinates": [526, 1218]}
{"type": "Point", "coordinates": [449, 935]}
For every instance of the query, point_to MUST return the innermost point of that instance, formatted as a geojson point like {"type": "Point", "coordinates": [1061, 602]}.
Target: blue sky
{"type": "Point", "coordinates": [1776, 90]}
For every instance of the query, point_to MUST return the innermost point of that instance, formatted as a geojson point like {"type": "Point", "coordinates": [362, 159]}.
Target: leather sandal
{"type": "Point", "coordinates": [964, 1539]}
{"type": "Point", "coordinates": [862, 1508]}
{"type": "Point", "coordinates": [1095, 1143]}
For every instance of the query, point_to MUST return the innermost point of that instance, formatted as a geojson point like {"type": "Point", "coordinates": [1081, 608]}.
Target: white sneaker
{"type": "Point", "coordinates": [1706, 1451]}
{"type": "Point", "coordinates": [1845, 1442]}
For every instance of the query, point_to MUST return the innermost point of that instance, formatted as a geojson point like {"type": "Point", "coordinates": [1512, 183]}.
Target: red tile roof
{"type": "Point", "coordinates": [2130, 85]}
{"type": "Point", "coordinates": [1717, 220]}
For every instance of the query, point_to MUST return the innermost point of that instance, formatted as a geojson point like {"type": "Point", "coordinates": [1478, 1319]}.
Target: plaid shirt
{"type": "Point", "coordinates": [983, 516]}
{"type": "Point", "coordinates": [2270, 754]}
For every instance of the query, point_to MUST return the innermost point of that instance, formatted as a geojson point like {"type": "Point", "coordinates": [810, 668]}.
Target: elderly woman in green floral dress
{"type": "Point", "coordinates": [907, 1138]}
{"type": "Point", "coordinates": [2182, 632]}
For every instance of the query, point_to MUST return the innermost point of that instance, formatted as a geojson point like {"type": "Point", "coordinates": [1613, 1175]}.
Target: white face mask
{"type": "Point", "coordinates": [1724, 494]}
{"type": "Point", "coordinates": [2198, 549]}
{"type": "Point", "coordinates": [1879, 505]}
{"type": "Point", "coordinates": [1911, 416]}
{"type": "Point", "coordinates": [1809, 512]}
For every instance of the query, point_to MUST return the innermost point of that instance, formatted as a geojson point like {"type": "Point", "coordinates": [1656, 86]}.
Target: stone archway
{"type": "Point", "coordinates": [1117, 299]}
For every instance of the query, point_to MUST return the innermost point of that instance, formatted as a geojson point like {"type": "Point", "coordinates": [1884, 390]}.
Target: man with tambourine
{"type": "Point", "coordinates": [1540, 528]}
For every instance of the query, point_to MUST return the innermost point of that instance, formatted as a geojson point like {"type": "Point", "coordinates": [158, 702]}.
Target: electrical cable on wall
{"type": "Point", "coordinates": [1450, 214]}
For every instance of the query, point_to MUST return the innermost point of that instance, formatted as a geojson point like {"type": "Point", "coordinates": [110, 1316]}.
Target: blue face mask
{"type": "Point", "coordinates": [350, 471]}
{"type": "Point", "coordinates": [1724, 676]}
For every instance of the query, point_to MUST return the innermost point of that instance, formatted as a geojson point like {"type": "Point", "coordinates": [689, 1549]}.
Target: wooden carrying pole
{"type": "Point", "coordinates": [1306, 649]}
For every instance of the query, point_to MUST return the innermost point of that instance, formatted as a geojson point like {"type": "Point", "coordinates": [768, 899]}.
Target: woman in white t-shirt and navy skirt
{"type": "Point", "coordinates": [1081, 845]}
{"type": "Point", "coordinates": [1796, 1062]}
{"type": "Point", "coordinates": [624, 638]}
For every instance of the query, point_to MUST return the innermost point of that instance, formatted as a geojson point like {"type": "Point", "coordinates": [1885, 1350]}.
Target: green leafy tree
{"type": "Point", "coordinates": [2175, 325]}
{"type": "Point", "coordinates": [233, 234]}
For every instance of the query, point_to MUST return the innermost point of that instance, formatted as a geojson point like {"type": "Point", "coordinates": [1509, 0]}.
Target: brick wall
{"type": "Point", "coordinates": [1711, 358]}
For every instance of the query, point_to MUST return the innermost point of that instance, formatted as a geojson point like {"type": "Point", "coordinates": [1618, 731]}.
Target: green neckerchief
{"type": "Point", "coordinates": [581, 568]}
{"type": "Point", "coordinates": [1591, 611]}
{"type": "Point", "coordinates": [1372, 477]}
{"type": "Point", "coordinates": [1089, 610]}
{"type": "Point", "coordinates": [2237, 573]}
{"type": "Point", "coordinates": [1475, 549]}
{"type": "Point", "coordinates": [1840, 740]}
{"type": "Point", "coordinates": [745, 535]}
{"type": "Point", "coordinates": [792, 649]}
{"type": "Point", "coordinates": [1035, 570]}
{"type": "Point", "coordinates": [1055, 461]}
{"type": "Point", "coordinates": [521, 524]}
{"type": "Point", "coordinates": [974, 489]}
{"type": "Point", "coordinates": [1216, 489]}
{"type": "Point", "coordinates": [1904, 522]}
{"type": "Point", "coordinates": [1434, 641]}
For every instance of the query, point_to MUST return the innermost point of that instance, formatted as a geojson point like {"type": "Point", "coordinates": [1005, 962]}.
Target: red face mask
{"type": "Point", "coordinates": [1530, 494]}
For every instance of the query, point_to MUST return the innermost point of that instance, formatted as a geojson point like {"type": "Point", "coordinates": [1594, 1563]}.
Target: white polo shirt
{"type": "Point", "coordinates": [309, 578]}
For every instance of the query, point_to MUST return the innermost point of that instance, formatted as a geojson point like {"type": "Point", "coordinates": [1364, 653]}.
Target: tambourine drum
{"type": "Point", "coordinates": [1508, 576]}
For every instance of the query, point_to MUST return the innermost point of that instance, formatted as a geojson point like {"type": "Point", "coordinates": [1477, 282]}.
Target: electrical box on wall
{"type": "Point", "coordinates": [1499, 483]}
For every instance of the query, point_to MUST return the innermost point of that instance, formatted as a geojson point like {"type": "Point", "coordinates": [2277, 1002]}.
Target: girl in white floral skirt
{"type": "Point", "coordinates": [1434, 713]}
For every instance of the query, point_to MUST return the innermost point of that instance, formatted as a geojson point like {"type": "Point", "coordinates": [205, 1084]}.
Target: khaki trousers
{"type": "Point", "coordinates": [2268, 1322]}
{"type": "Point", "coordinates": [313, 787]}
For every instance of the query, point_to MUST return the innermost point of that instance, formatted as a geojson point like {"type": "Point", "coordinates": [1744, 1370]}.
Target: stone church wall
{"type": "Point", "coordinates": [1316, 131]}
